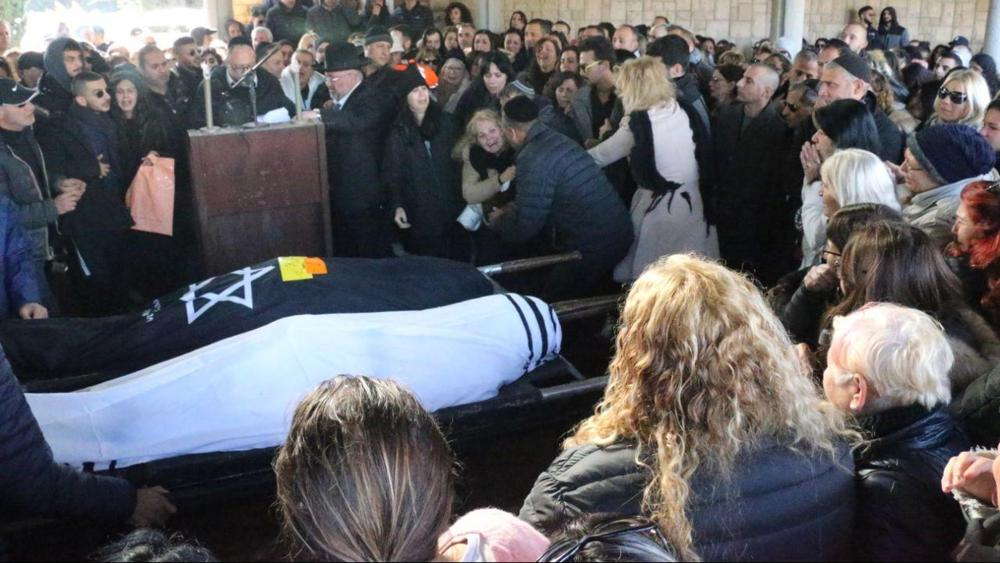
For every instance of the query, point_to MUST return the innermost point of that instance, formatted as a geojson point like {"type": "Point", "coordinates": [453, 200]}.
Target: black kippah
{"type": "Point", "coordinates": [520, 110]}
{"type": "Point", "coordinates": [854, 65]}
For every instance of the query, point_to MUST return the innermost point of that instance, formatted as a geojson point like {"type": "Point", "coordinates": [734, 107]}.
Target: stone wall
{"type": "Point", "coordinates": [744, 21]}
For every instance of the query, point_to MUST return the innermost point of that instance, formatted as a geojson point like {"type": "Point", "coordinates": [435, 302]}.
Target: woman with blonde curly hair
{"type": "Point", "coordinates": [710, 426]}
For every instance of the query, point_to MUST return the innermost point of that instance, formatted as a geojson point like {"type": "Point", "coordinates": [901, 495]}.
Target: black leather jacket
{"type": "Point", "coordinates": [902, 513]}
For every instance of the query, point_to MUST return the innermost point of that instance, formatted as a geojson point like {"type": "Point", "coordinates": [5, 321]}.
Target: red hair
{"type": "Point", "coordinates": [983, 208]}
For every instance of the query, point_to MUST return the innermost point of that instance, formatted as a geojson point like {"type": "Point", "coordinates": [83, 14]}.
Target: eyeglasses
{"type": "Point", "coordinates": [565, 550]}
{"type": "Point", "coordinates": [955, 97]}
{"type": "Point", "coordinates": [994, 188]}
{"type": "Point", "coordinates": [793, 107]}
{"type": "Point", "coordinates": [591, 66]}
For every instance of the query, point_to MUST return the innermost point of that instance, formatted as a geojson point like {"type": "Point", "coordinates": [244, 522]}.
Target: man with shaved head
{"type": "Point", "coordinates": [746, 139]}
{"type": "Point", "coordinates": [856, 37]}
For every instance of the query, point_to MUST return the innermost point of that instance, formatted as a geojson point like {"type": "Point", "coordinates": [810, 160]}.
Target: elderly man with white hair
{"type": "Point", "coordinates": [888, 365]}
{"type": "Point", "coordinates": [261, 34]}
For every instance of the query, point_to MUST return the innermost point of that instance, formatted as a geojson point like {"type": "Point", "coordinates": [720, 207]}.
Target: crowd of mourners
{"type": "Point", "coordinates": [806, 363]}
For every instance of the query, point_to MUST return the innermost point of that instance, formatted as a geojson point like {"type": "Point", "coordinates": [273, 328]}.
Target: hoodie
{"type": "Point", "coordinates": [55, 91]}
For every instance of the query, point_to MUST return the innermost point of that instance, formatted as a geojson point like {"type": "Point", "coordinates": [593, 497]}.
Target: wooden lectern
{"type": "Point", "coordinates": [260, 192]}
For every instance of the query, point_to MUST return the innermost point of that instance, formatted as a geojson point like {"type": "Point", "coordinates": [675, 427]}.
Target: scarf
{"type": "Point", "coordinates": [484, 161]}
{"type": "Point", "coordinates": [642, 161]}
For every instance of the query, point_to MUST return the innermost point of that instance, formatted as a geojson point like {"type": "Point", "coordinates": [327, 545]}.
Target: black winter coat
{"type": "Point", "coordinates": [423, 179]}
{"type": "Point", "coordinates": [333, 25]}
{"type": "Point", "coordinates": [32, 484]}
{"type": "Point", "coordinates": [779, 504]}
{"type": "Point", "coordinates": [286, 24]}
{"type": "Point", "coordinates": [355, 144]}
{"type": "Point", "coordinates": [977, 409]}
{"type": "Point", "coordinates": [418, 19]}
{"type": "Point", "coordinates": [902, 513]}
{"type": "Point", "coordinates": [747, 167]}
{"type": "Point", "coordinates": [890, 136]}
{"type": "Point", "coordinates": [560, 187]}
{"type": "Point", "coordinates": [68, 155]}
{"type": "Point", "coordinates": [53, 98]}
{"type": "Point", "coordinates": [231, 106]}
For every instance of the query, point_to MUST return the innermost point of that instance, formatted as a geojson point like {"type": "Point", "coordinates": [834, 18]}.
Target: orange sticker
{"type": "Point", "coordinates": [315, 266]}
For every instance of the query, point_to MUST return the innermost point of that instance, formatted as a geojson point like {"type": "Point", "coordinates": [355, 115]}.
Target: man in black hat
{"type": "Point", "coordinates": [357, 120]}
{"type": "Point", "coordinates": [30, 67]}
{"type": "Point", "coordinates": [287, 20]}
{"type": "Point", "coordinates": [561, 190]}
{"type": "Point", "coordinates": [231, 90]}
{"type": "Point", "coordinates": [848, 77]}
{"type": "Point", "coordinates": [24, 179]}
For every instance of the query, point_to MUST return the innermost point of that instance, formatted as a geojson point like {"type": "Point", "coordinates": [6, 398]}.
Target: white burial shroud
{"type": "Point", "coordinates": [240, 393]}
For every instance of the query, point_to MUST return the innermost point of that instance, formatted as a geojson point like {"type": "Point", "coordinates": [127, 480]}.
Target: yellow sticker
{"type": "Point", "coordinates": [293, 268]}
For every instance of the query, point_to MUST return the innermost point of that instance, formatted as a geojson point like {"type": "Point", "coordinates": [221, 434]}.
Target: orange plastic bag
{"type": "Point", "coordinates": [150, 198]}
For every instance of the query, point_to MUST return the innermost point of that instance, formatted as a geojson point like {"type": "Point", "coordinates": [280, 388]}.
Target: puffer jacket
{"type": "Point", "coordinates": [902, 513]}
{"type": "Point", "coordinates": [779, 504]}
{"type": "Point", "coordinates": [30, 195]}
{"type": "Point", "coordinates": [977, 408]}
{"type": "Point", "coordinates": [560, 187]}
{"type": "Point", "coordinates": [32, 484]}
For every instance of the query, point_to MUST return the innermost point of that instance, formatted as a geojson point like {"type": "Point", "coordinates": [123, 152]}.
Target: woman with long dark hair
{"type": "Point", "coordinates": [518, 21]}
{"type": "Point", "coordinates": [433, 40]}
{"type": "Point", "coordinates": [513, 45]}
{"type": "Point", "coordinates": [890, 35]}
{"type": "Point", "coordinates": [843, 124]}
{"type": "Point", "coordinates": [899, 263]}
{"type": "Point", "coordinates": [495, 72]}
{"type": "Point", "coordinates": [456, 13]}
{"type": "Point", "coordinates": [420, 174]}
{"type": "Point", "coordinates": [157, 264]}
{"type": "Point", "coordinates": [485, 41]}
{"type": "Point", "coordinates": [543, 65]}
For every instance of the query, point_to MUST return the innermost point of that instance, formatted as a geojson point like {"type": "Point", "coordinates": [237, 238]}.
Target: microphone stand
{"type": "Point", "coordinates": [252, 84]}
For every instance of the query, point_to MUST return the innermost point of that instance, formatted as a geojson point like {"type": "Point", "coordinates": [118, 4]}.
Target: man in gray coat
{"type": "Point", "coordinates": [23, 176]}
{"type": "Point", "coordinates": [561, 190]}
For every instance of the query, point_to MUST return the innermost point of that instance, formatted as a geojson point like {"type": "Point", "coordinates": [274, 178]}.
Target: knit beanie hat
{"type": "Point", "coordinates": [952, 152]}
{"type": "Point", "coordinates": [377, 33]}
{"type": "Point", "coordinates": [854, 65]}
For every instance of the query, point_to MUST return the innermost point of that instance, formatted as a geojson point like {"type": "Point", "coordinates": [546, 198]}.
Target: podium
{"type": "Point", "coordinates": [260, 192]}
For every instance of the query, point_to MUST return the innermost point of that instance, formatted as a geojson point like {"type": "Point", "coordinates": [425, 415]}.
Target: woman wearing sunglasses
{"type": "Point", "coordinates": [962, 99]}
{"type": "Point", "coordinates": [704, 400]}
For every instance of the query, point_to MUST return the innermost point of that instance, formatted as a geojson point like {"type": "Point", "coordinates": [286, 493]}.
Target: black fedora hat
{"type": "Point", "coordinates": [341, 55]}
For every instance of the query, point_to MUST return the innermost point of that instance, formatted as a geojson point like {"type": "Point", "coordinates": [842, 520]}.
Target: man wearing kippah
{"type": "Point", "coordinates": [560, 190]}
{"type": "Point", "coordinates": [848, 78]}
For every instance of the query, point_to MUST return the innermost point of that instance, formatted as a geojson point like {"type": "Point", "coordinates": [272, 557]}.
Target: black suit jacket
{"type": "Point", "coordinates": [356, 135]}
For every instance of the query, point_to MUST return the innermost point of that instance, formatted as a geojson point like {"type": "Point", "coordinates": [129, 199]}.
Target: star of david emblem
{"type": "Point", "coordinates": [247, 277]}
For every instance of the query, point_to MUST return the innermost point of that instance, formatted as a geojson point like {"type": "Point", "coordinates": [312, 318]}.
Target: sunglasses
{"type": "Point", "coordinates": [955, 97]}
{"type": "Point", "coordinates": [566, 549]}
